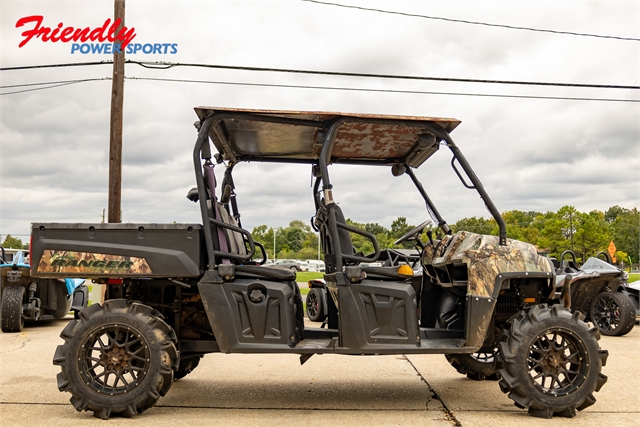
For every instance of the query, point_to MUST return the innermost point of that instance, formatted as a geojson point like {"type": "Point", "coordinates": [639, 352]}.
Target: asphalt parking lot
{"type": "Point", "coordinates": [329, 390]}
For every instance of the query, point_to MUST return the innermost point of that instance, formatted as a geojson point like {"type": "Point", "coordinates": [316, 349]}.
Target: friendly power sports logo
{"type": "Point", "coordinates": [107, 39]}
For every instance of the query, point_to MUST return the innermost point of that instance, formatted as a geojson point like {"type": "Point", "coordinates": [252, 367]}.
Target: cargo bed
{"type": "Point", "coordinates": [117, 250]}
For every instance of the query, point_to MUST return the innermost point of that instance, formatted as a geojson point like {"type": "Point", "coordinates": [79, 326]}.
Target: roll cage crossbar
{"type": "Point", "coordinates": [215, 125]}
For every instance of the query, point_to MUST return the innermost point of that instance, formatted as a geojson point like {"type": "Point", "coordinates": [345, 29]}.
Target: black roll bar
{"type": "Point", "coordinates": [202, 146]}
{"type": "Point", "coordinates": [565, 253]}
{"type": "Point", "coordinates": [252, 247]}
{"type": "Point", "coordinates": [606, 255]}
{"type": "Point", "coordinates": [376, 248]}
{"type": "Point", "coordinates": [325, 157]}
{"type": "Point", "coordinates": [439, 132]}
{"type": "Point", "coordinates": [202, 150]}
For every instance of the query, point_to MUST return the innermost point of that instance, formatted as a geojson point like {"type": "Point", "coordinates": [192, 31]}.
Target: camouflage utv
{"type": "Point", "coordinates": [176, 292]}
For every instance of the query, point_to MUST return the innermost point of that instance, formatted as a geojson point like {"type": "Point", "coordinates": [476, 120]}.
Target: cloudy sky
{"type": "Point", "coordinates": [531, 154]}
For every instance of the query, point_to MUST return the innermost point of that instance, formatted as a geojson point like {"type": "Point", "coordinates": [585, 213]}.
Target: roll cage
{"type": "Point", "coordinates": [320, 139]}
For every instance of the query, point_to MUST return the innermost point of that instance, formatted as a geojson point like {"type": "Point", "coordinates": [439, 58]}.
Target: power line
{"type": "Point", "coordinates": [69, 82]}
{"type": "Point", "coordinates": [383, 90]}
{"type": "Point", "coordinates": [462, 21]}
{"type": "Point", "coordinates": [52, 85]}
{"type": "Point", "coordinates": [167, 65]}
{"type": "Point", "coordinates": [45, 83]}
{"type": "Point", "coordinates": [72, 64]}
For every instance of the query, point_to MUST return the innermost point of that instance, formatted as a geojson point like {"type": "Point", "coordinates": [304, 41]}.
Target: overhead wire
{"type": "Point", "coordinates": [464, 21]}
{"type": "Point", "coordinates": [50, 85]}
{"type": "Point", "coordinates": [417, 92]}
{"type": "Point", "coordinates": [71, 64]}
{"type": "Point", "coordinates": [168, 65]}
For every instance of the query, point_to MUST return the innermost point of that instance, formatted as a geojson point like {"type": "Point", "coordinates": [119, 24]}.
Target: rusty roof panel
{"type": "Point", "coordinates": [374, 141]}
{"type": "Point", "coordinates": [364, 137]}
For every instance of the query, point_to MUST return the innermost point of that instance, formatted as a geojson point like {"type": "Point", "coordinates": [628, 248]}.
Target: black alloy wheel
{"type": "Point", "coordinates": [315, 306]}
{"type": "Point", "coordinates": [117, 359]}
{"type": "Point", "coordinates": [613, 313]}
{"type": "Point", "coordinates": [478, 366]}
{"type": "Point", "coordinates": [550, 362]}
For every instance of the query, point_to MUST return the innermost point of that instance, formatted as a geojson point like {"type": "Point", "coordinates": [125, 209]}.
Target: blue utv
{"type": "Point", "coordinates": [25, 297]}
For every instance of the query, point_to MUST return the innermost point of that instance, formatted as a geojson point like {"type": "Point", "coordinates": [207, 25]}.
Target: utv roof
{"type": "Point", "coordinates": [298, 136]}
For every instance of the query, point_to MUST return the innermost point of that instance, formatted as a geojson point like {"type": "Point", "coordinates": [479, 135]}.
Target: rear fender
{"type": "Point", "coordinates": [80, 298]}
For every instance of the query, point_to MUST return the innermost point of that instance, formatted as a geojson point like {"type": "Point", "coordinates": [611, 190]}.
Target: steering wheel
{"type": "Point", "coordinates": [413, 233]}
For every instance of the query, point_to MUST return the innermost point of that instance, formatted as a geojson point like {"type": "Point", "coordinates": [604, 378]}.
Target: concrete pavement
{"type": "Point", "coordinates": [329, 390]}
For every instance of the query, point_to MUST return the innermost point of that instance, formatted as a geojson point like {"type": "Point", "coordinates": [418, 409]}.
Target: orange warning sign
{"type": "Point", "coordinates": [612, 251]}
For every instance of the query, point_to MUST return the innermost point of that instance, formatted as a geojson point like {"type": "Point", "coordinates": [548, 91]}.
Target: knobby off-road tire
{"type": "Point", "coordinates": [315, 306]}
{"type": "Point", "coordinates": [550, 362]}
{"type": "Point", "coordinates": [186, 366]}
{"type": "Point", "coordinates": [117, 359]}
{"type": "Point", "coordinates": [12, 298]}
{"type": "Point", "coordinates": [478, 366]}
{"type": "Point", "coordinates": [613, 313]}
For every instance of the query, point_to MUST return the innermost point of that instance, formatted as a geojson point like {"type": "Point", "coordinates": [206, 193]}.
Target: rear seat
{"type": "Point", "coordinates": [233, 242]}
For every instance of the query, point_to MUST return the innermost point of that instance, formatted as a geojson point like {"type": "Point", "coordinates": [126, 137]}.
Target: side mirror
{"type": "Point", "coordinates": [398, 170]}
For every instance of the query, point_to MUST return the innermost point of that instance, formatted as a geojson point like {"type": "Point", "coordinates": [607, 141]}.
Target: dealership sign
{"type": "Point", "coordinates": [108, 38]}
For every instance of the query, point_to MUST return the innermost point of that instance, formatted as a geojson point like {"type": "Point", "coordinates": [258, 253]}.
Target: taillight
{"type": "Point", "coordinates": [114, 281]}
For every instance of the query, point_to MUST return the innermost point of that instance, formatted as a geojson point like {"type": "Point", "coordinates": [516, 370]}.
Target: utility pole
{"type": "Point", "coordinates": [571, 229]}
{"type": "Point", "coordinates": [274, 244]}
{"type": "Point", "coordinates": [115, 134]}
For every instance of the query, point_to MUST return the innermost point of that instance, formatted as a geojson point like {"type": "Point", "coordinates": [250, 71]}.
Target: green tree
{"type": "Point", "coordinates": [520, 226]}
{"type": "Point", "coordinates": [625, 232]}
{"type": "Point", "coordinates": [11, 242]}
{"type": "Point", "coordinates": [264, 235]}
{"type": "Point", "coordinates": [400, 227]}
{"type": "Point", "coordinates": [375, 228]}
{"type": "Point", "coordinates": [622, 257]}
{"type": "Point", "coordinates": [614, 212]}
{"type": "Point", "coordinates": [297, 234]}
{"type": "Point", "coordinates": [360, 242]}
{"type": "Point", "coordinates": [310, 246]}
{"type": "Point", "coordinates": [558, 229]}
{"type": "Point", "coordinates": [591, 235]}
{"type": "Point", "coordinates": [259, 234]}
{"type": "Point", "coordinates": [475, 225]}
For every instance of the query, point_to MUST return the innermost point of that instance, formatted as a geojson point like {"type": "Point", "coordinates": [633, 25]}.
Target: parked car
{"type": "Point", "coordinates": [291, 264]}
{"type": "Point", "coordinates": [316, 265]}
{"type": "Point", "coordinates": [316, 303]}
